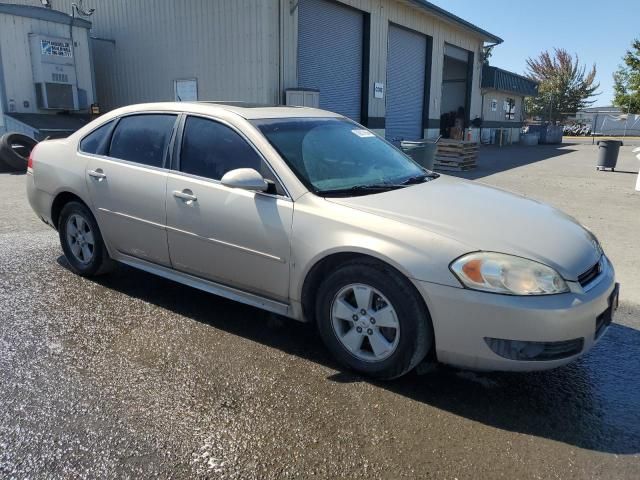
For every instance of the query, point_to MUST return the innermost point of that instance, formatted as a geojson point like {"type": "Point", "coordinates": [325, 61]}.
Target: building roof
{"type": "Point", "coordinates": [608, 109]}
{"type": "Point", "coordinates": [442, 13]}
{"type": "Point", "coordinates": [505, 81]}
{"type": "Point", "coordinates": [42, 13]}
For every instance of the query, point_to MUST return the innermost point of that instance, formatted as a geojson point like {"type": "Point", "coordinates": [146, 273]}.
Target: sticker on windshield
{"type": "Point", "coordinates": [363, 133]}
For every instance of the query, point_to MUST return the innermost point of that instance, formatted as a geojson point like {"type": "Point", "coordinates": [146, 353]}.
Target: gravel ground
{"type": "Point", "coordinates": [133, 376]}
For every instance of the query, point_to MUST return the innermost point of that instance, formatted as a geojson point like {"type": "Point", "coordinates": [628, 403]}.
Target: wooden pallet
{"type": "Point", "coordinates": [456, 155]}
{"type": "Point", "coordinates": [452, 164]}
{"type": "Point", "coordinates": [450, 168]}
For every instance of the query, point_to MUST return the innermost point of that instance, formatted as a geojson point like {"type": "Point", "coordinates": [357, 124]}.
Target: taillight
{"type": "Point", "coordinates": [30, 160]}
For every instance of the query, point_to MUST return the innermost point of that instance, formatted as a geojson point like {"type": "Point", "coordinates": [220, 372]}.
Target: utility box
{"type": "Point", "coordinates": [302, 97]}
{"type": "Point", "coordinates": [54, 73]}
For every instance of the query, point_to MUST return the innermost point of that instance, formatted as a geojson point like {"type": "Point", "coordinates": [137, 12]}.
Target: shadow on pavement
{"type": "Point", "coordinates": [593, 403]}
{"type": "Point", "coordinates": [493, 159]}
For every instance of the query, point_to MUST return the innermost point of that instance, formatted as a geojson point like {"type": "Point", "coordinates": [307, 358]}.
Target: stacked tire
{"type": "Point", "coordinates": [14, 151]}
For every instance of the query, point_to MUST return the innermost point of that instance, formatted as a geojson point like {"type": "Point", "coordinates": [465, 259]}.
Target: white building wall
{"type": "Point", "coordinates": [241, 49]}
{"type": "Point", "coordinates": [494, 120]}
{"type": "Point", "coordinates": [229, 46]}
{"type": "Point", "coordinates": [16, 58]}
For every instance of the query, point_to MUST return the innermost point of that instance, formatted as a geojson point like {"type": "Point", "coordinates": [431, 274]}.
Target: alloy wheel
{"type": "Point", "coordinates": [365, 322]}
{"type": "Point", "coordinates": [80, 238]}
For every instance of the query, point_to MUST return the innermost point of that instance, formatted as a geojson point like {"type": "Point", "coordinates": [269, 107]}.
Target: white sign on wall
{"type": "Point", "coordinates": [186, 90]}
{"type": "Point", "coordinates": [378, 90]}
{"type": "Point", "coordinates": [494, 105]}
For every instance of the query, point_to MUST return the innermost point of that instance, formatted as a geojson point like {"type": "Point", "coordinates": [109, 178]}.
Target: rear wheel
{"type": "Point", "coordinates": [81, 240]}
{"type": "Point", "coordinates": [373, 321]}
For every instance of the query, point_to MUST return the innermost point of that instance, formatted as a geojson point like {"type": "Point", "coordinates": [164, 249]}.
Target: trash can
{"type": "Point", "coordinates": [529, 139]}
{"type": "Point", "coordinates": [423, 152]}
{"type": "Point", "coordinates": [608, 154]}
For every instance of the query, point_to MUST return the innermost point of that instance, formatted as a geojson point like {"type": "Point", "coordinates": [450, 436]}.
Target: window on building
{"type": "Point", "coordinates": [494, 105]}
{"type": "Point", "coordinates": [96, 141]}
{"type": "Point", "coordinates": [510, 109]}
{"type": "Point", "coordinates": [142, 138]}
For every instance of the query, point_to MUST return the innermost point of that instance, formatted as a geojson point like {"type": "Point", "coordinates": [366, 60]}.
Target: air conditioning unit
{"type": "Point", "coordinates": [54, 73]}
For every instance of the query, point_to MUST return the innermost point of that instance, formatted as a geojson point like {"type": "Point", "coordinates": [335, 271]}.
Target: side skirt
{"type": "Point", "coordinates": [207, 285]}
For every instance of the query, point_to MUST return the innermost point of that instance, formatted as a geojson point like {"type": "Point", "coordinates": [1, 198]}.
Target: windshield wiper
{"type": "Point", "coordinates": [420, 178]}
{"type": "Point", "coordinates": [361, 189]}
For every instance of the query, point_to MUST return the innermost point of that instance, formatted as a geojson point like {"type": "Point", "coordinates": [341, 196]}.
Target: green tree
{"type": "Point", "coordinates": [565, 86]}
{"type": "Point", "coordinates": [626, 81]}
{"type": "Point", "coordinates": [486, 54]}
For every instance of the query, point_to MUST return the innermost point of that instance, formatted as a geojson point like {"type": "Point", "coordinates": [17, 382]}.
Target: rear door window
{"type": "Point", "coordinates": [96, 141]}
{"type": "Point", "coordinates": [143, 138]}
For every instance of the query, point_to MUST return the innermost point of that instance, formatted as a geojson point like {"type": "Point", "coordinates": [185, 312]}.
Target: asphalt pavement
{"type": "Point", "coordinates": [132, 376]}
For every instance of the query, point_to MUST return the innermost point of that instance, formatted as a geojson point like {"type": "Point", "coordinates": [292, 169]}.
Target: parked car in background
{"type": "Point", "coordinates": [305, 213]}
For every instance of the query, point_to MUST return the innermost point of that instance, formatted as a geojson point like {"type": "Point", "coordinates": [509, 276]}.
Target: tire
{"type": "Point", "coordinates": [93, 260]}
{"type": "Point", "coordinates": [406, 344]}
{"type": "Point", "coordinates": [15, 149]}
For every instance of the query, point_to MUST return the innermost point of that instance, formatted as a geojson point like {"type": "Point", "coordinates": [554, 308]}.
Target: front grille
{"type": "Point", "coordinates": [590, 275]}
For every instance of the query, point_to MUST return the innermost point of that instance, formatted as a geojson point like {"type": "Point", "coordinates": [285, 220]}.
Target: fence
{"type": "Point", "coordinates": [617, 125]}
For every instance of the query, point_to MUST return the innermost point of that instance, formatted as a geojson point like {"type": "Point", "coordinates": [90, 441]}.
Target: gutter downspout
{"type": "Point", "coordinates": [482, 91]}
{"type": "Point", "coordinates": [482, 94]}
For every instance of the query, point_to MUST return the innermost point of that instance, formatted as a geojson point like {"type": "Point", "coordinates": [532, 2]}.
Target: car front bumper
{"type": "Point", "coordinates": [463, 319]}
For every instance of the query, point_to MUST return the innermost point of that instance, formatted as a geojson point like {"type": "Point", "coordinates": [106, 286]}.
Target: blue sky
{"type": "Point", "coordinates": [599, 32]}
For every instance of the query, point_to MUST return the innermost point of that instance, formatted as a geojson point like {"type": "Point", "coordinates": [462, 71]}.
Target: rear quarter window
{"type": "Point", "coordinates": [96, 141]}
{"type": "Point", "coordinates": [142, 138]}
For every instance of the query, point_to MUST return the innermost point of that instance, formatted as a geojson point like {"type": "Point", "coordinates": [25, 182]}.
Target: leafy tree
{"type": "Point", "coordinates": [565, 86]}
{"type": "Point", "coordinates": [486, 54]}
{"type": "Point", "coordinates": [626, 81]}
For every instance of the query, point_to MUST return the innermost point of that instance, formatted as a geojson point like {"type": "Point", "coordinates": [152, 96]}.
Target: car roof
{"type": "Point", "coordinates": [249, 111]}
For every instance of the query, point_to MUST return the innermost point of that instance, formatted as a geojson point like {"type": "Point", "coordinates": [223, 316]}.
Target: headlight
{"type": "Point", "coordinates": [500, 273]}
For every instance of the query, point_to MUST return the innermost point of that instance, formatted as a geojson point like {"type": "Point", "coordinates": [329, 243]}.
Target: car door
{"type": "Point", "coordinates": [127, 182]}
{"type": "Point", "coordinates": [232, 236]}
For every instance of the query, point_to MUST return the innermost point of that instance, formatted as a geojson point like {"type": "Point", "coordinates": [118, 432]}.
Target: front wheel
{"type": "Point", "coordinates": [373, 321]}
{"type": "Point", "coordinates": [81, 241]}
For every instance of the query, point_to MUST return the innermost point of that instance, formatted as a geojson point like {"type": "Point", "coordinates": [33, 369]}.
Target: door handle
{"type": "Point", "coordinates": [186, 195]}
{"type": "Point", "coordinates": [98, 174]}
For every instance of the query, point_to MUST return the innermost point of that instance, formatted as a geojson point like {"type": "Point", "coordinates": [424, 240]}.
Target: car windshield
{"type": "Point", "coordinates": [334, 156]}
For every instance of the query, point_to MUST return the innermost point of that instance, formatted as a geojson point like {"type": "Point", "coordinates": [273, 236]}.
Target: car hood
{"type": "Point", "coordinates": [486, 218]}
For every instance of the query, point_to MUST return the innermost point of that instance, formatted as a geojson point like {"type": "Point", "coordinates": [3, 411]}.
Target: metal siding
{"type": "Point", "coordinates": [215, 60]}
{"type": "Point", "coordinates": [503, 80]}
{"type": "Point", "coordinates": [330, 45]}
{"type": "Point", "coordinates": [230, 46]}
{"type": "Point", "coordinates": [16, 63]}
{"type": "Point", "coordinates": [499, 115]}
{"type": "Point", "coordinates": [406, 66]}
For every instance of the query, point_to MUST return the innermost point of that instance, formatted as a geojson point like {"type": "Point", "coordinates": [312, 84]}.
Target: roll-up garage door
{"type": "Point", "coordinates": [406, 69]}
{"type": "Point", "coordinates": [330, 46]}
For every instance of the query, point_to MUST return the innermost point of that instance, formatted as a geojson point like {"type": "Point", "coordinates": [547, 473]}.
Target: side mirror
{"type": "Point", "coordinates": [245, 178]}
